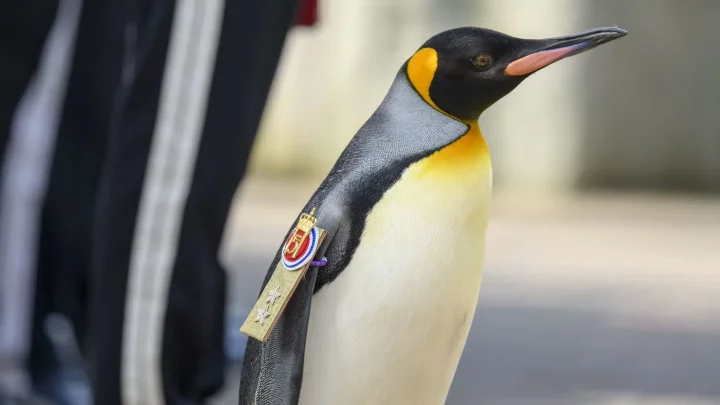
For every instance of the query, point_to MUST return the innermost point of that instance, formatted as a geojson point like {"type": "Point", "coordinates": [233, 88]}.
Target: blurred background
{"type": "Point", "coordinates": [602, 276]}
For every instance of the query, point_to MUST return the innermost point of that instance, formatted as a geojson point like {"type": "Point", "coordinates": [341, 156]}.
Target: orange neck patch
{"type": "Point", "coordinates": [468, 154]}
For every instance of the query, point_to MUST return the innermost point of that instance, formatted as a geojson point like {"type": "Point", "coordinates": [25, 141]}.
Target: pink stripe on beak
{"type": "Point", "coordinates": [539, 60]}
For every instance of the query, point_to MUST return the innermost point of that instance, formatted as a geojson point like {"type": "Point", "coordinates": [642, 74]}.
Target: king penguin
{"type": "Point", "coordinates": [405, 208]}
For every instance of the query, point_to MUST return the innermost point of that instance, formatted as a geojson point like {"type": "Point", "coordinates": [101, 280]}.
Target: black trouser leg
{"type": "Point", "coordinates": [175, 157]}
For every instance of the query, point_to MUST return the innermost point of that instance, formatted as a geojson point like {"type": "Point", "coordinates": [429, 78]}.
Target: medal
{"type": "Point", "coordinates": [296, 256]}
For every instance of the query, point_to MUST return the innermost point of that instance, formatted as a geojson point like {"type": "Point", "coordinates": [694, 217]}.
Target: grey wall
{"type": "Point", "coordinates": [652, 105]}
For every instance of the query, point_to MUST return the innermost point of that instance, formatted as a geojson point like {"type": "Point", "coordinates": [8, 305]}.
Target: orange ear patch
{"type": "Point", "coordinates": [421, 71]}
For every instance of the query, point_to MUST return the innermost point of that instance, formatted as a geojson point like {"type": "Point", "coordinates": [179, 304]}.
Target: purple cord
{"type": "Point", "coordinates": [319, 263]}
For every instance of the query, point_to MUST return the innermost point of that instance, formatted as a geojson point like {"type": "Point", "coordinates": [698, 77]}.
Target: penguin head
{"type": "Point", "coordinates": [463, 71]}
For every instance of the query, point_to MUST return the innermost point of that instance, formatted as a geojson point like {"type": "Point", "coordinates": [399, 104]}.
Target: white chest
{"type": "Point", "coordinates": [391, 328]}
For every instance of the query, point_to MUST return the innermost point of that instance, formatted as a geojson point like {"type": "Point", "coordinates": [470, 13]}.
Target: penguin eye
{"type": "Point", "coordinates": [482, 61]}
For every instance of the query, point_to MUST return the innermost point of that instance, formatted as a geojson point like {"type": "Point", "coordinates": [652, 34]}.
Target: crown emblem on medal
{"type": "Point", "coordinates": [302, 243]}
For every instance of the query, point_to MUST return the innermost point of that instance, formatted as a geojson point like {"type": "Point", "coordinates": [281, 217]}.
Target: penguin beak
{"type": "Point", "coordinates": [544, 52]}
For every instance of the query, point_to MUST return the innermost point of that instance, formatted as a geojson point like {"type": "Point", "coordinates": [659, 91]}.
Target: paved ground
{"type": "Point", "coordinates": [596, 300]}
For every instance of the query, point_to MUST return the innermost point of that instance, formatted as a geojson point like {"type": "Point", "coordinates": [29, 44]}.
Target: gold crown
{"type": "Point", "coordinates": [307, 221]}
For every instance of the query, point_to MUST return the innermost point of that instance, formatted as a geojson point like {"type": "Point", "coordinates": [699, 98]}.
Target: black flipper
{"type": "Point", "coordinates": [272, 371]}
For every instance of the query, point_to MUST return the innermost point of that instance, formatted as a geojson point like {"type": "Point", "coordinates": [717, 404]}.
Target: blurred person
{"type": "Point", "coordinates": [160, 110]}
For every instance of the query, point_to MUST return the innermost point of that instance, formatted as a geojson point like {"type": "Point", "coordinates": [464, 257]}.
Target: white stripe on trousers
{"type": "Point", "coordinates": [178, 129]}
{"type": "Point", "coordinates": [25, 174]}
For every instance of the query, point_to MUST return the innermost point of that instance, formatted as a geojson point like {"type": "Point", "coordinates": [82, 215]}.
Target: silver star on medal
{"type": "Point", "coordinates": [262, 313]}
{"type": "Point", "coordinates": [273, 295]}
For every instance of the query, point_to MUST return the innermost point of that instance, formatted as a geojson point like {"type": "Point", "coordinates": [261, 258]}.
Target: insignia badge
{"type": "Point", "coordinates": [296, 257]}
{"type": "Point", "coordinates": [302, 244]}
